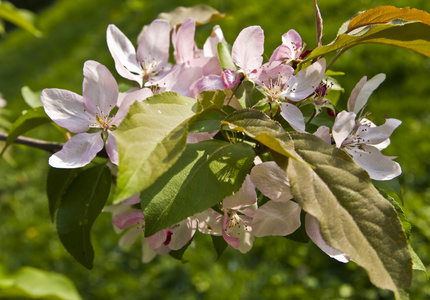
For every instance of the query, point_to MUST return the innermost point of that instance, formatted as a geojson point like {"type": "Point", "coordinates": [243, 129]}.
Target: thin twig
{"type": "Point", "coordinates": [51, 147]}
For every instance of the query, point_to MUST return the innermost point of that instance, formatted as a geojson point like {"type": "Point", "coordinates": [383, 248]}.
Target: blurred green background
{"type": "Point", "coordinates": [276, 268]}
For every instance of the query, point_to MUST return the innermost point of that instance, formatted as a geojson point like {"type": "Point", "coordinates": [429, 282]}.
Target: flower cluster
{"type": "Point", "coordinates": [264, 205]}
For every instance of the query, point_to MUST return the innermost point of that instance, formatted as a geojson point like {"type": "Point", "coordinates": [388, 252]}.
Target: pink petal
{"type": "Point", "coordinates": [274, 73]}
{"type": "Point", "coordinates": [100, 90]}
{"type": "Point", "coordinates": [304, 83]}
{"type": "Point", "coordinates": [313, 231]}
{"type": "Point", "coordinates": [248, 49]}
{"type": "Point", "coordinates": [379, 166]}
{"type": "Point", "coordinates": [280, 54]}
{"type": "Point", "coordinates": [293, 116]}
{"type": "Point", "coordinates": [293, 41]}
{"type": "Point", "coordinates": [154, 44]}
{"type": "Point", "coordinates": [276, 218]}
{"type": "Point", "coordinates": [232, 241]}
{"type": "Point", "coordinates": [377, 135]}
{"type": "Point", "coordinates": [157, 240]}
{"type": "Point", "coordinates": [147, 253]}
{"type": "Point", "coordinates": [183, 41]}
{"type": "Point", "coordinates": [343, 125]}
{"type": "Point", "coordinates": [323, 132]}
{"type": "Point", "coordinates": [210, 222]}
{"type": "Point", "coordinates": [210, 48]}
{"type": "Point", "coordinates": [128, 100]}
{"type": "Point", "coordinates": [123, 53]}
{"type": "Point", "coordinates": [67, 109]}
{"type": "Point", "coordinates": [272, 181]}
{"type": "Point", "coordinates": [362, 91]}
{"type": "Point", "coordinates": [78, 151]}
{"type": "Point", "coordinates": [111, 148]}
{"type": "Point", "coordinates": [246, 196]}
{"type": "Point", "coordinates": [127, 219]}
{"type": "Point", "coordinates": [182, 233]}
{"type": "Point", "coordinates": [210, 83]}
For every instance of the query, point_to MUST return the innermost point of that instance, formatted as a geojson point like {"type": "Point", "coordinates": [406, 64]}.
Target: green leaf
{"type": "Point", "coordinates": [388, 25]}
{"type": "Point", "coordinates": [206, 173]}
{"type": "Point", "coordinates": [179, 254]}
{"type": "Point", "coordinates": [417, 263]}
{"type": "Point", "coordinates": [202, 14]}
{"type": "Point", "coordinates": [208, 120]}
{"type": "Point", "coordinates": [210, 99]}
{"type": "Point", "coordinates": [261, 128]}
{"type": "Point", "coordinates": [248, 95]}
{"type": "Point", "coordinates": [57, 183]}
{"type": "Point", "coordinates": [225, 57]}
{"type": "Point", "coordinates": [219, 244]}
{"type": "Point", "coordinates": [150, 139]}
{"type": "Point", "coordinates": [354, 218]}
{"type": "Point", "coordinates": [9, 13]}
{"type": "Point", "coordinates": [30, 97]}
{"type": "Point", "coordinates": [30, 119]}
{"type": "Point", "coordinates": [79, 208]}
{"type": "Point", "coordinates": [32, 283]}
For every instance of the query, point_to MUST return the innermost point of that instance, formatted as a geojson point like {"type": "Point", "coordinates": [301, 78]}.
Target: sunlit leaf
{"type": "Point", "coordinates": [354, 218]}
{"type": "Point", "coordinates": [248, 95]}
{"type": "Point", "coordinates": [210, 99]}
{"type": "Point", "coordinates": [202, 14]}
{"type": "Point", "coordinates": [404, 28]}
{"type": "Point", "coordinates": [79, 208]}
{"type": "Point", "coordinates": [29, 120]}
{"type": "Point", "coordinates": [205, 174]}
{"type": "Point", "coordinates": [9, 13]}
{"type": "Point", "coordinates": [209, 120]}
{"type": "Point", "coordinates": [224, 54]}
{"type": "Point", "coordinates": [150, 139]}
{"type": "Point", "coordinates": [386, 14]}
{"type": "Point", "coordinates": [30, 97]}
{"type": "Point", "coordinates": [260, 127]}
{"type": "Point", "coordinates": [417, 263]}
{"type": "Point", "coordinates": [32, 283]}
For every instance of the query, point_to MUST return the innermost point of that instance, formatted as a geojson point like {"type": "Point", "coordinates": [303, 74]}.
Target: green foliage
{"type": "Point", "coordinates": [206, 173]}
{"type": "Point", "coordinates": [147, 151]}
{"type": "Point", "coordinates": [79, 208]}
{"type": "Point", "coordinates": [9, 13]}
{"type": "Point", "coordinates": [75, 32]}
{"type": "Point", "coordinates": [351, 212]}
{"type": "Point", "coordinates": [27, 121]}
{"type": "Point", "coordinates": [384, 25]}
{"type": "Point", "coordinates": [37, 284]}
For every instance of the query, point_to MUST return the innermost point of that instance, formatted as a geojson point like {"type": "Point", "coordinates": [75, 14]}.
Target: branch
{"type": "Point", "coordinates": [51, 147]}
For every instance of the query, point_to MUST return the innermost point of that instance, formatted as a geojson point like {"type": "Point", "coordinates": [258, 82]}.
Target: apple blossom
{"type": "Point", "coordinates": [89, 116]}
{"type": "Point", "coordinates": [151, 57]}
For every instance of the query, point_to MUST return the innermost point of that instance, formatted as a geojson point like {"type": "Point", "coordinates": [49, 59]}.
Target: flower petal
{"type": "Point", "coordinates": [248, 49]}
{"type": "Point", "coordinates": [362, 91]}
{"type": "Point", "coordinates": [304, 83]}
{"type": "Point", "coordinates": [111, 148]}
{"type": "Point", "coordinates": [313, 231]}
{"type": "Point", "coordinates": [78, 151]}
{"type": "Point", "coordinates": [127, 219]}
{"type": "Point", "coordinates": [210, 48]}
{"type": "Point", "coordinates": [183, 41]}
{"type": "Point", "coordinates": [246, 196]}
{"type": "Point", "coordinates": [379, 134]}
{"type": "Point", "coordinates": [379, 166]}
{"type": "Point", "coordinates": [154, 45]}
{"type": "Point", "coordinates": [182, 233]}
{"type": "Point", "coordinates": [100, 90]}
{"type": "Point", "coordinates": [66, 109]}
{"type": "Point", "coordinates": [272, 181]}
{"type": "Point", "coordinates": [130, 236]}
{"type": "Point", "coordinates": [293, 116]}
{"type": "Point", "coordinates": [210, 222]}
{"type": "Point", "coordinates": [123, 53]}
{"type": "Point", "coordinates": [276, 218]}
{"type": "Point", "coordinates": [343, 125]}
{"type": "Point", "coordinates": [128, 100]}
{"type": "Point", "coordinates": [323, 132]}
